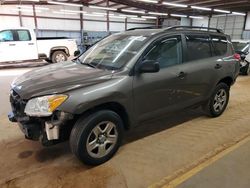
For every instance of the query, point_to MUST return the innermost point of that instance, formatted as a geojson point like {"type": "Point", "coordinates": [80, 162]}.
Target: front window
{"type": "Point", "coordinates": [6, 36]}
{"type": "Point", "coordinates": [114, 51]}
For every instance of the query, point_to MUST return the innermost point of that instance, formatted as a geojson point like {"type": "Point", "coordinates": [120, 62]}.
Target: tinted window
{"type": "Point", "coordinates": [6, 36]}
{"type": "Point", "coordinates": [241, 46]}
{"type": "Point", "coordinates": [167, 52]}
{"type": "Point", "coordinates": [23, 35]}
{"type": "Point", "coordinates": [219, 45]}
{"type": "Point", "coordinates": [198, 47]}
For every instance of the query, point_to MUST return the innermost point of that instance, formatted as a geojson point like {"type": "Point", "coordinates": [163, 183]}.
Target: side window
{"type": "Point", "coordinates": [23, 35]}
{"type": "Point", "coordinates": [219, 45]}
{"type": "Point", "coordinates": [6, 36]}
{"type": "Point", "coordinates": [198, 47]}
{"type": "Point", "coordinates": [167, 51]}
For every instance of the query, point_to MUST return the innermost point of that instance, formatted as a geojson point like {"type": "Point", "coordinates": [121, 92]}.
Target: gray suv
{"type": "Point", "coordinates": [122, 80]}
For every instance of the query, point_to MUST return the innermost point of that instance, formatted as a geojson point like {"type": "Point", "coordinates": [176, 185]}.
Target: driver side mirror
{"type": "Point", "coordinates": [149, 66]}
{"type": "Point", "coordinates": [77, 53]}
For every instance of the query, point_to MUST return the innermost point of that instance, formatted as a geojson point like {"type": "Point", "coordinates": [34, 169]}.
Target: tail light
{"type": "Point", "coordinates": [237, 56]}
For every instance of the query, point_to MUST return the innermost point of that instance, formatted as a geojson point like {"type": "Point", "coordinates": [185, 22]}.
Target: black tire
{"type": "Point", "coordinates": [83, 131]}
{"type": "Point", "coordinates": [58, 56]}
{"type": "Point", "coordinates": [209, 106]}
{"type": "Point", "coordinates": [246, 70]}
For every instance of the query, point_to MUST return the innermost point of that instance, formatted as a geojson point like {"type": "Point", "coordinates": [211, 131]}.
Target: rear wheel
{"type": "Point", "coordinates": [96, 138]}
{"type": "Point", "coordinates": [218, 101]}
{"type": "Point", "coordinates": [58, 56]}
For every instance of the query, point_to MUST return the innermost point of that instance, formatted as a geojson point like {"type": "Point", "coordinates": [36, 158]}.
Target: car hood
{"type": "Point", "coordinates": [58, 78]}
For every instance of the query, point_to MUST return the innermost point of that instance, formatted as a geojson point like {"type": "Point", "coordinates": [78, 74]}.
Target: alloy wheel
{"type": "Point", "coordinates": [220, 100]}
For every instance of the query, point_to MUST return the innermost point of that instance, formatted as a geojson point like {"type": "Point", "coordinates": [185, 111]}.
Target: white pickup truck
{"type": "Point", "coordinates": [21, 44]}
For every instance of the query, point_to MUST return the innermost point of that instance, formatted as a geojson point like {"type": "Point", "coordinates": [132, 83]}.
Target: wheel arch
{"type": "Point", "coordinates": [227, 80]}
{"type": "Point", "coordinates": [113, 106]}
{"type": "Point", "coordinates": [59, 48]}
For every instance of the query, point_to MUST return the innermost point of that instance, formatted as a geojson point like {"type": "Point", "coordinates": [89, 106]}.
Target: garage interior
{"type": "Point", "coordinates": [184, 149]}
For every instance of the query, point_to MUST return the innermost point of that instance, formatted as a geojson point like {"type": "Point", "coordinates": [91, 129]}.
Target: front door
{"type": "Point", "coordinates": [7, 46]}
{"type": "Point", "coordinates": [156, 93]}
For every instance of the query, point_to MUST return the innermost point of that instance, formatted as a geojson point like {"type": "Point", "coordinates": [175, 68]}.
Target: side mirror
{"type": "Point", "coordinates": [149, 66]}
{"type": "Point", "coordinates": [77, 53]}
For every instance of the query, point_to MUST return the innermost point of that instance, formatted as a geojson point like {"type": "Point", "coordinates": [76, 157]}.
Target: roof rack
{"type": "Point", "coordinates": [195, 27]}
{"type": "Point", "coordinates": [178, 28]}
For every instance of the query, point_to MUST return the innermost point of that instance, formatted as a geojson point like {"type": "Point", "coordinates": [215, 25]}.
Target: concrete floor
{"type": "Point", "coordinates": [152, 154]}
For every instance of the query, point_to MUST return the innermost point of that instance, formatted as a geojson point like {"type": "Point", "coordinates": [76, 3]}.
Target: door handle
{"type": "Point", "coordinates": [12, 44]}
{"type": "Point", "coordinates": [182, 75]}
{"type": "Point", "coordinates": [218, 66]}
{"type": "Point", "coordinates": [30, 43]}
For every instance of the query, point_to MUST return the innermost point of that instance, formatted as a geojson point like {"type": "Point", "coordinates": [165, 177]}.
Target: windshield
{"type": "Point", "coordinates": [113, 52]}
{"type": "Point", "coordinates": [241, 47]}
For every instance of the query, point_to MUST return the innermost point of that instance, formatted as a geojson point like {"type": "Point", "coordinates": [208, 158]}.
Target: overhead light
{"type": "Point", "coordinates": [33, 0]}
{"type": "Point", "coordinates": [149, 17]}
{"type": "Point", "coordinates": [66, 4]}
{"type": "Point", "coordinates": [239, 13]}
{"type": "Point", "coordinates": [102, 8]}
{"type": "Point", "coordinates": [118, 17]}
{"type": "Point", "coordinates": [102, 13]}
{"type": "Point", "coordinates": [30, 7]}
{"type": "Point", "coordinates": [73, 11]}
{"type": "Point", "coordinates": [129, 16]}
{"type": "Point", "coordinates": [174, 4]}
{"type": "Point", "coordinates": [60, 12]}
{"type": "Point", "coordinates": [179, 15]}
{"type": "Point", "coordinates": [201, 8]}
{"type": "Point", "coordinates": [223, 11]}
{"type": "Point", "coordinates": [196, 17]}
{"type": "Point", "coordinates": [158, 13]}
{"type": "Point", "coordinates": [149, 1]}
{"type": "Point", "coordinates": [25, 10]}
{"type": "Point", "coordinates": [133, 11]}
{"type": "Point", "coordinates": [138, 19]}
{"type": "Point", "coordinates": [94, 15]}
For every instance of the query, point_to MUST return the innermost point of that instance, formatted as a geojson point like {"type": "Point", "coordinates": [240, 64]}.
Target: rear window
{"type": "Point", "coordinates": [198, 47]}
{"type": "Point", "coordinates": [23, 35]}
{"type": "Point", "coordinates": [219, 45]}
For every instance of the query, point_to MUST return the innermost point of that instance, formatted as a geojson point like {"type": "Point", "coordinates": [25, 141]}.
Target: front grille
{"type": "Point", "coordinates": [17, 104]}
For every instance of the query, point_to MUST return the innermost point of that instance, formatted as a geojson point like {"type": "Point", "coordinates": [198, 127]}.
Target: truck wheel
{"type": "Point", "coordinates": [58, 56]}
{"type": "Point", "coordinates": [217, 103]}
{"type": "Point", "coordinates": [96, 138]}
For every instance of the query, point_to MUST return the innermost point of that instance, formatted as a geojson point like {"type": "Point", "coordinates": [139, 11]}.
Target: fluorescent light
{"type": "Point", "coordinates": [223, 11]}
{"type": "Point", "coordinates": [196, 17]}
{"type": "Point", "coordinates": [133, 11]}
{"type": "Point", "coordinates": [138, 19]}
{"type": "Point", "coordinates": [30, 7]}
{"type": "Point", "coordinates": [118, 17]}
{"type": "Point", "coordinates": [25, 10]}
{"type": "Point", "coordinates": [179, 15]}
{"type": "Point", "coordinates": [59, 12]}
{"type": "Point", "coordinates": [66, 4]}
{"type": "Point", "coordinates": [239, 13]}
{"type": "Point", "coordinates": [129, 16]}
{"type": "Point", "coordinates": [158, 13]}
{"type": "Point", "coordinates": [149, 17]}
{"type": "Point", "coordinates": [102, 8]}
{"type": "Point", "coordinates": [72, 11]}
{"type": "Point", "coordinates": [95, 15]}
{"type": "Point", "coordinates": [174, 4]}
{"type": "Point", "coordinates": [201, 8]}
{"type": "Point", "coordinates": [103, 13]}
{"type": "Point", "coordinates": [149, 1]}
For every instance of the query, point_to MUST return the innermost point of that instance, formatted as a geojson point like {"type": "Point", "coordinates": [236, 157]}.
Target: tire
{"type": "Point", "coordinates": [246, 70]}
{"type": "Point", "coordinates": [58, 56]}
{"type": "Point", "coordinates": [217, 103]}
{"type": "Point", "coordinates": [91, 143]}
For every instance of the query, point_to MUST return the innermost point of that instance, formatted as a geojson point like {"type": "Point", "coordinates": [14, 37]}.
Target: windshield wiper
{"type": "Point", "coordinates": [87, 64]}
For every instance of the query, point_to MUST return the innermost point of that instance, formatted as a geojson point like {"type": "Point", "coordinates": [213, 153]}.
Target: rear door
{"type": "Point", "coordinates": [25, 45]}
{"type": "Point", "coordinates": [7, 45]}
{"type": "Point", "coordinates": [200, 66]}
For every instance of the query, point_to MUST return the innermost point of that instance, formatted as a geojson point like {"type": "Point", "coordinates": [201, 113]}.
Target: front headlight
{"type": "Point", "coordinates": [44, 106]}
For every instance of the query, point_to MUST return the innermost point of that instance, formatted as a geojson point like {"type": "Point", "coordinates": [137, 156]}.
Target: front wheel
{"type": "Point", "coordinates": [96, 138]}
{"type": "Point", "coordinates": [218, 101]}
{"type": "Point", "coordinates": [246, 70]}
